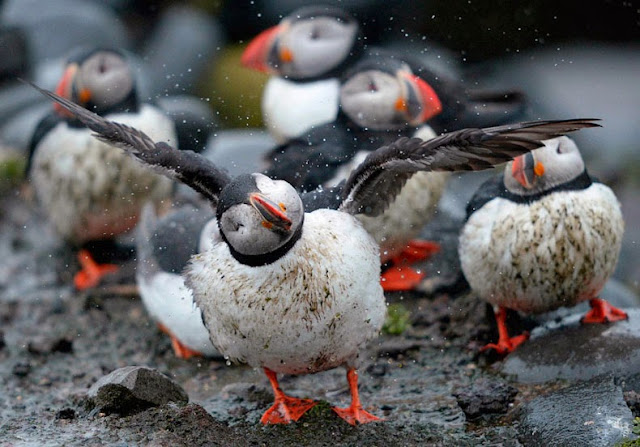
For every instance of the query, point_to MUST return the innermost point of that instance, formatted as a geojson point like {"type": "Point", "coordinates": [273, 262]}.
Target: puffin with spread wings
{"type": "Point", "coordinates": [290, 281]}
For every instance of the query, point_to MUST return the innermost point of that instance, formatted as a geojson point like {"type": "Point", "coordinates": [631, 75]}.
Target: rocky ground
{"type": "Point", "coordinates": [62, 352]}
{"type": "Point", "coordinates": [423, 376]}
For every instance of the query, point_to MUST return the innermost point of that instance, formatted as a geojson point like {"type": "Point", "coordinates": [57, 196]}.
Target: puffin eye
{"type": "Point", "coordinates": [558, 151]}
{"type": "Point", "coordinates": [372, 87]}
{"type": "Point", "coordinates": [282, 206]}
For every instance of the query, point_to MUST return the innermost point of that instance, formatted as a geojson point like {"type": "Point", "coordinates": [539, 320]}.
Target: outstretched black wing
{"type": "Point", "coordinates": [187, 167]}
{"type": "Point", "coordinates": [376, 182]}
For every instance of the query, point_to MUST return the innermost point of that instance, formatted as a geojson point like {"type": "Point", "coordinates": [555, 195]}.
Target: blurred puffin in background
{"type": "Point", "coordinates": [311, 48]}
{"type": "Point", "coordinates": [88, 190]}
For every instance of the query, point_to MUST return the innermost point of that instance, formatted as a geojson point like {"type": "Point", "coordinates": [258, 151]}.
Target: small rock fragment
{"type": "Point", "coordinates": [632, 398]}
{"type": "Point", "coordinates": [134, 388]}
{"type": "Point", "coordinates": [49, 345]}
{"type": "Point", "coordinates": [2, 342]}
{"type": "Point", "coordinates": [484, 397]}
{"type": "Point", "coordinates": [66, 413]}
{"type": "Point", "coordinates": [21, 369]}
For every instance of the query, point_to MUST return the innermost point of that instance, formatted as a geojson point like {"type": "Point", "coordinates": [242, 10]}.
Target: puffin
{"type": "Point", "coordinates": [382, 98]}
{"type": "Point", "coordinates": [164, 246]}
{"type": "Point", "coordinates": [290, 281]}
{"type": "Point", "coordinates": [88, 190]}
{"type": "Point", "coordinates": [311, 48]}
{"type": "Point", "coordinates": [545, 234]}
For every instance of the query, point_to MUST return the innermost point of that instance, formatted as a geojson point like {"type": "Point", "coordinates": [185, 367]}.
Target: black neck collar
{"type": "Point", "coordinates": [583, 181]}
{"type": "Point", "coordinates": [265, 258]}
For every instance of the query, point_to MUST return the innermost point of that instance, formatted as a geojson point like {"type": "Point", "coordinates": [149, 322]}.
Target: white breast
{"type": "Point", "coordinates": [91, 190]}
{"type": "Point", "coordinates": [170, 302]}
{"type": "Point", "coordinates": [291, 108]}
{"type": "Point", "coordinates": [311, 310]}
{"type": "Point", "coordinates": [557, 251]}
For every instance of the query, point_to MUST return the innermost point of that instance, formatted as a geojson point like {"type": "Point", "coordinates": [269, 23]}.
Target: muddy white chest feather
{"type": "Point", "coordinates": [91, 190]}
{"type": "Point", "coordinates": [556, 251]}
{"type": "Point", "coordinates": [311, 310]}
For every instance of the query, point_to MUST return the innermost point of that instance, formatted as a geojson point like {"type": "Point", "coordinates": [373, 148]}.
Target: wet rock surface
{"type": "Point", "coordinates": [134, 388]}
{"type": "Point", "coordinates": [591, 413]}
{"type": "Point", "coordinates": [569, 350]}
{"type": "Point", "coordinates": [485, 397]}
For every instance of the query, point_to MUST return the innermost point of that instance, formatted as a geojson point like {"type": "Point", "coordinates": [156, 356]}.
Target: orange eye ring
{"type": "Point", "coordinates": [286, 55]}
{"type": "Point", "coordinates": [282, 206]}
{"type": "Point", "coordinates": [400, 105]}
{"type": "Point", "coordinates": [84, 96]}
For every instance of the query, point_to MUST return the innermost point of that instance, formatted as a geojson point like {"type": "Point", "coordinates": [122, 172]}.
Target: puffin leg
{"type": "Point", "coordinates": [91, 272]}
{"type": "Point", "coordinates": [603, 312]}
{"type": "Point", "coordinates": [400, 276]}
{"type": "Point", "coordinates": [355, 414]}
{"type": "Point", "coordinates": [416, 251]}
{"type": "Point", "coordinates": [285, 408]}
{"type": "Point", "coordinates": [180, 350]}
{"type": "Point", "coordinates": [505, 343]}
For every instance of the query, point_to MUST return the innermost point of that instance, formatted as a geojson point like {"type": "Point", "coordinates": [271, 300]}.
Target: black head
{"type": "Point", "coordinates": [99, 79]}
{"type": "Point", "coordinates": [382, 92]}
{"type": "Point", "coordinates": [310, 43]}
{"type": "Point", "coordinates": [259, 218]}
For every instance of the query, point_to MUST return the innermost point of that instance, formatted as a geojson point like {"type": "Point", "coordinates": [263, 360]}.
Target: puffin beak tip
{"type": "Point", "coordinates": [274, 215]}
{"type": "Point", "coordinates": [256, 55]}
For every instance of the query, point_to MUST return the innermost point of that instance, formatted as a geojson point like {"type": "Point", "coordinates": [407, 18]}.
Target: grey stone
{"type": "Point", "coordinates": [592, 413]}
{"type": "Point", "coordinates": [53, 28]}
{"type": "Point", "coordinates": [485, 397]}
{"type": "Point", "coordinates": [183, 43]}
{"type": "Point", "coordinates": [134, 388]}
{"type": "Point", "coordinates": [239, 151]}
{"type": "Point", "coordinates": [569, 350]}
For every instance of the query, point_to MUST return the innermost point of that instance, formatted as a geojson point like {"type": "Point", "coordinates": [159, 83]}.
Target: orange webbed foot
{"type": "Point", "coordinates": [416, 251]}
{"type": "Point", "coordinates": [400, 277]}
{"type": "Point", "coordinates": [91, 272]}
{"type": "Point", "coordinates": [603, 312]}
{"type": "Point", "coordinates": [506, 345]}
{"type": "Point", "coordinates": [355, 416]}
{"type": "Point", "coordinates": [287, 409]}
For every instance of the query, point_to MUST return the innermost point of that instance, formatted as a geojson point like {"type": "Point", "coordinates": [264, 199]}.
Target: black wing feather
{"type": "Point", "coordinates": [374, 184]}
{"type": "Point", "coordinates": [187, 167]}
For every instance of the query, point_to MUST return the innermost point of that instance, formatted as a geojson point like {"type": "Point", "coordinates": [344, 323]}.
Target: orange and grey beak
{"type": "Point", "coordinates": [260, 51]}
{"type": "Point", "coordinates": [526, 170]}
{"type": "Point", "coordinates": [274, 215]}
{"type": "Point", "coordinates": [421, 103]}
{"type": "Point", "coordinates": [65, 88]}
